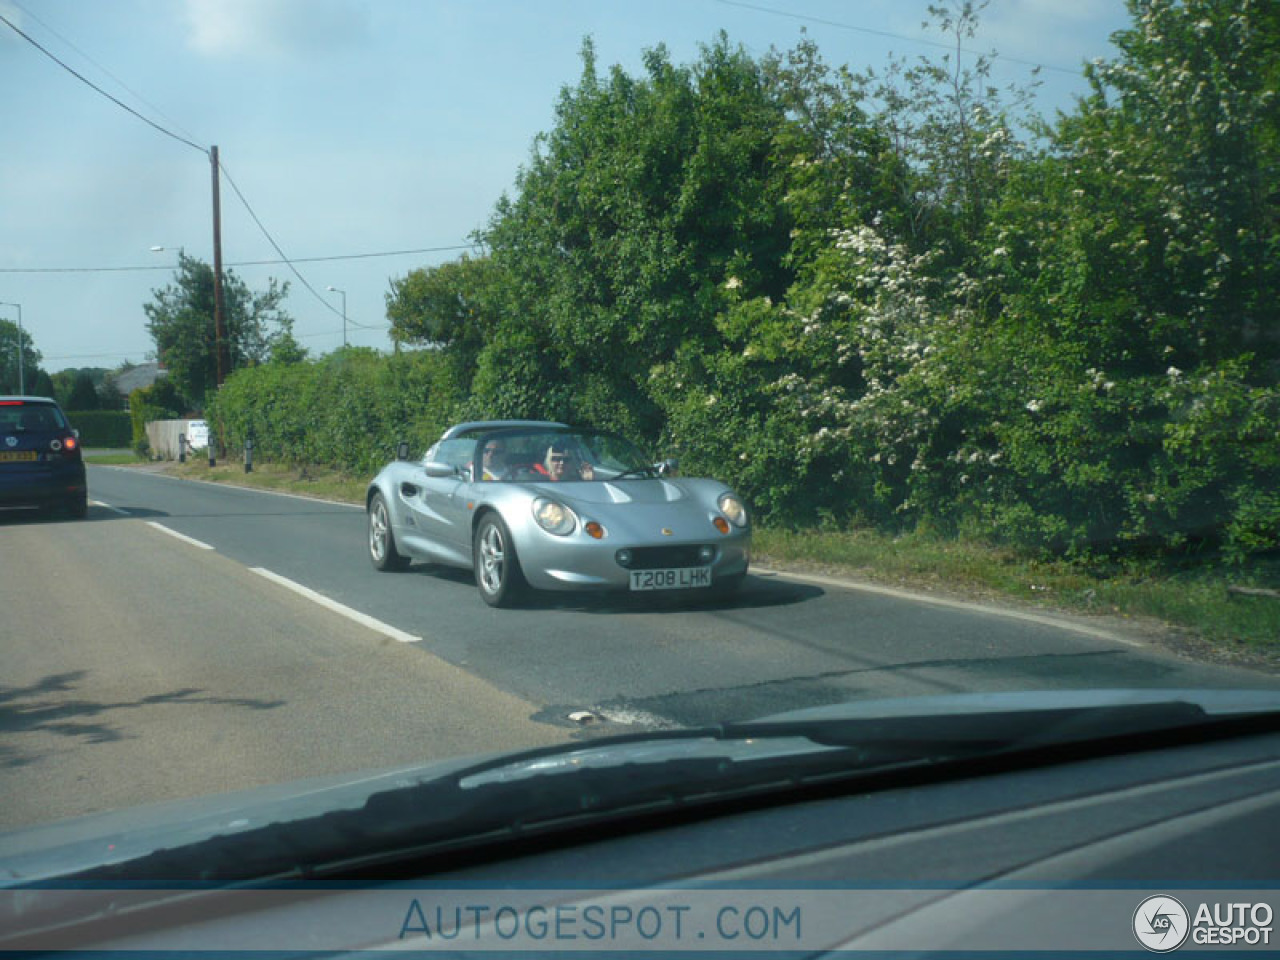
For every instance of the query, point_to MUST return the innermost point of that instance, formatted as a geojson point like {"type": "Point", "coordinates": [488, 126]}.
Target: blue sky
{"type": "Point", "coordinates": [352, 127]}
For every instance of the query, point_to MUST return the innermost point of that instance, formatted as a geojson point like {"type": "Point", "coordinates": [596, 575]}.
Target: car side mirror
{"type": "Point", "coordinates": [439, 470]}
{"type": "Point", "coordinates": [668, 467]}
{"type": "Point", "coordinates": [402, 450]}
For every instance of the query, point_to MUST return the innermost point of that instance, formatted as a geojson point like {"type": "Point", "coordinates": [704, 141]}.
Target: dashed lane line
{"type": "Point", "coordinates": [363, 619]}
{"type": "Point", "coordinates": [373, 623]}
{"type": "Point", "coordinates": [179, 536]}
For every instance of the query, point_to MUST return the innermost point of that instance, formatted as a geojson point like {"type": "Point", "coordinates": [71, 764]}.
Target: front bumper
{"type": "Point", "coordinates": [593, 565]}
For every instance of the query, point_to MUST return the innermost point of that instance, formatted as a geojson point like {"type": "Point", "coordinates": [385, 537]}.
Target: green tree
{"type": "Point", "coordinates": [954, 135]}
{"type": "Point", "coordinates": [181, 323]}
{"type": "Point", "coordinates": [647, 194]}
{"type": "Point", "coordinates": [84, 395]}
{"type": "Point", "coordinates": [63, 380]}
{"type": "Point", "coordinates": [1113, 350]}
{"type": "Point", "coordinates": [455, 308]}
{"type": "Point", "coordinates": [9, 345]}
{"type": "Point", "coordinates": [42, 386]}
{"type": "Point", "coordinates": [285, 348]}
{"type": "Point", "coordinates": [449, 305]}
{"type": "Point", "coordinates": [1176, 158]}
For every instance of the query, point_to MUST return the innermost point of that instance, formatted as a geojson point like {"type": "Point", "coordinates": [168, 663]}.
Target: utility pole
{"type": "Point", "coordinates": [219, 308]}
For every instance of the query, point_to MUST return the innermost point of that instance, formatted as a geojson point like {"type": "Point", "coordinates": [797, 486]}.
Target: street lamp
{"type": "Point", "coordinates": [22, 379]}
{"type": "Point", "coordinates": [344, 314]}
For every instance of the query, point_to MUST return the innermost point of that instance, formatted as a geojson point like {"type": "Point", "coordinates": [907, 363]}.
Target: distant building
{"type": "Point", "coordinates": [138, 378]}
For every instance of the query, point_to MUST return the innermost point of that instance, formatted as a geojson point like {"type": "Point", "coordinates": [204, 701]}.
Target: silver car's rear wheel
{"type": "Point", "coordinates": [382, 542]}
{"type": "Point", "coordinates": [494, 557]}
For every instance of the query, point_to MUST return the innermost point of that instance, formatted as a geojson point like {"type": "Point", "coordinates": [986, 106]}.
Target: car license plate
{"type": "Point", "coordinates": [12, 456]}
{"type": "Point", "coordinates": [681, 578]}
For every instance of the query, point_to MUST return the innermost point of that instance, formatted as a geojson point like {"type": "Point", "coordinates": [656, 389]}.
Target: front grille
{"type": "Point", "coordinates": [665, 558]}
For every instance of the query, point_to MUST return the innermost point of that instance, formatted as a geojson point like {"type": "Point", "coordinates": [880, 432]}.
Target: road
{"type": "Point", "coordinates": [189, 638]}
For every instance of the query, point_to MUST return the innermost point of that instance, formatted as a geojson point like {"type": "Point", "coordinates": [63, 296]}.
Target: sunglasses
{"type": "Point", "coordinates": [555, 459]}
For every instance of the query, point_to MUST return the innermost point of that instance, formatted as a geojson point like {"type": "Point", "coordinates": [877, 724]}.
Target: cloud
{"type": "Point", "coordinates": [274, 28]}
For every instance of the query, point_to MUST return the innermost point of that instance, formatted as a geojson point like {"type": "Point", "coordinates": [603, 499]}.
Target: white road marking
{"type": "Point", "coordinates": [1059, 623]}
{"type": "Point", "coordinates": [99, 503]}
{"type": "Point", "coordinates": [361, 618]}
{"type": "Point", "coordinates": [180, 536]}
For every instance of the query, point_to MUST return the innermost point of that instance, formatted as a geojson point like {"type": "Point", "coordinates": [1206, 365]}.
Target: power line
{"type": "Point", "coordinates": [95, 356]}
{"type": "Point", "coordinates": [123, 106]}
{"type": "Point", "coordinates": [888, 34]}
{"type": "Point", "coordinates": [359, 256]}
{"type": "Point", "coordinates": [124, 86]}
{"type": "Point", "coordinates": [248, 263]}
{"type": "Point", "coordinates": [338, 333]}
{"type": "Point", "coordinates": [275, 246]}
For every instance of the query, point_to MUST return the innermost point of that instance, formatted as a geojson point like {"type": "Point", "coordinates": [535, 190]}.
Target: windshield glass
{"type": "Point", "coordinates": [428, 380]}
{"type": "Point", "coordinates": [26, 417]}
{"type": "Point", "coordinates": [559, 456]}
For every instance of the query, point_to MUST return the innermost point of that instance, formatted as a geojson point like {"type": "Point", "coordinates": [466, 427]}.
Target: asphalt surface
{"type": "Point", "coordinates": [140, 666]}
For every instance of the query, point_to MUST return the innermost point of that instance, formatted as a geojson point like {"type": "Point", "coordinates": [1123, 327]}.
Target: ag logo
{"type": "Point", "coordinates": [1161, 924]}
{"type": "Point", "coordinates": [11, 441]}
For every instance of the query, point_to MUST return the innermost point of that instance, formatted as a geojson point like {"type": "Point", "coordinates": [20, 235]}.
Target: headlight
{"type": "Point", "coordinates": [553, 517]}
{"type": "Point", "coordinates": [732, 508]}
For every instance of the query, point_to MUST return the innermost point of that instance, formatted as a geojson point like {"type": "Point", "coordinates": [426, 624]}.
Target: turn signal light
{"type": "Point", "coordinates": [721, 524]}
{"type": "Point", "coordinates": [594, 529]}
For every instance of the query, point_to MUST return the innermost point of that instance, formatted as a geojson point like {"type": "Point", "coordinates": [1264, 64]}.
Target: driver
{"type": "Point", "coordinates": [494, 462]}
{"type": "Point", "coordinates": [563, 463]}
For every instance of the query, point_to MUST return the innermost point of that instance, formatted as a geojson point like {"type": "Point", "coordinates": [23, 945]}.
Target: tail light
{"type": "Point", "coordinates": [66, 447]}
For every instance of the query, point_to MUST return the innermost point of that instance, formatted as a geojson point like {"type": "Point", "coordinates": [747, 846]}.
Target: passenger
{"type": "Point", "coordinates": [563, 463]}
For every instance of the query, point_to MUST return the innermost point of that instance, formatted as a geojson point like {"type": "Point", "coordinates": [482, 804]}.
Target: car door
{"type": "Point", "coordinates": [433, 497]}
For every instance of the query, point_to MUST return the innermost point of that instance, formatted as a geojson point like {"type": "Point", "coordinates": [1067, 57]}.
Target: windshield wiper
{"type": "Point", "coordinates": [575, 785]}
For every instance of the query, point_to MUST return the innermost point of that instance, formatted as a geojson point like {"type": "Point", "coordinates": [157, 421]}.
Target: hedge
{"type": "Point", "coordinates": [102, 428]}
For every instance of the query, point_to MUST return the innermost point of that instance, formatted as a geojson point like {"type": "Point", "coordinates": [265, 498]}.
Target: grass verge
{"type": "Point", "coordinates": [113, 459]}
{"type": "Point", "coordinates": [320, 482]}
{"type": "Point", "coordinates": [1192, 600]}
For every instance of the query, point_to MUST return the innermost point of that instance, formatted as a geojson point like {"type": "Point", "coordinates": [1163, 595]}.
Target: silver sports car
{"type": "Point", "coordinates": [527, 503]}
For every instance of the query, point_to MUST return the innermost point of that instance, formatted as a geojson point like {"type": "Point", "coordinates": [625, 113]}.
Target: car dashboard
{"type": "Point", "coordinates": [1056, 856]}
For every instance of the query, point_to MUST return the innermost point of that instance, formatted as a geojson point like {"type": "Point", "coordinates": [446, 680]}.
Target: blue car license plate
{"type": "Point", "coordinates": [681, 578]}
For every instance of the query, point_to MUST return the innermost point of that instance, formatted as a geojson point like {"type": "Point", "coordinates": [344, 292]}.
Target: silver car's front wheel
{"type": "Point", "coordinates": [382, 542]}
{"type": "Point", "coordinates": [494, 557]}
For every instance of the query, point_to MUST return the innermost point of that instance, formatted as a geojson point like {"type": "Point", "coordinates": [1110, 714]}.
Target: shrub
{"type": "Point", "coordinates": [102, 428]}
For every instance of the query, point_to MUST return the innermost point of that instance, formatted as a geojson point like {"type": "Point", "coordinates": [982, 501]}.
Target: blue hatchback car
{"type": "Point", "coordinates": [40, 459]}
